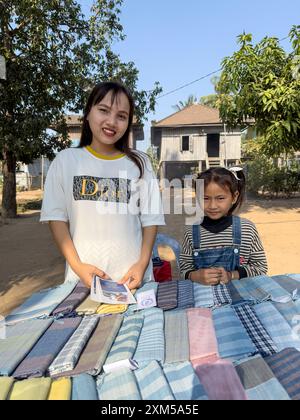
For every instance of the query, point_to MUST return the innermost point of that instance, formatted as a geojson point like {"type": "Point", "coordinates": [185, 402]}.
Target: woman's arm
{"type": "Point", "coordinates": [62, 237]}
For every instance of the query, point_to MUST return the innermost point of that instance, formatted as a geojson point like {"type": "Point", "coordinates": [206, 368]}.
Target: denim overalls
{"type": "Point", "coordinates": [226, 257]}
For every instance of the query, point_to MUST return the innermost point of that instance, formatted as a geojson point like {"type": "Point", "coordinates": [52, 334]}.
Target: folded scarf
{"type": "Point", "coordinates": [84, 388]}
{"type": "Point", "coordinates": [185, 294]}
{"type": "Point", "coordinates": [259, 381]}
{"type": "Point", "coordinates": [60, 390]}
{"type": "Point", "coordinates": [73, 300]}
{"type": "Point", "coordinates": [68, 357]}
{"type": "Point", "coordinates": [152, 383]}
{"type": "Point", "coordinates": [151, 344]}
{"type": "Point", "coordinates": [41, 304]}
{"type": "Point", "coordinates": [106, 309]}
{"type": "Point", "coordinates": [203, 296]}
{"type": "Point", "coordinates": [286, 367]}
{"type": "Point", "coordinates": [221, 382]}
{"type": "Point", "coordinates": [233, 340]}
{"type": "Point", "coordinates": [177, 337]}
{"type": "Point", "coordinates": [119, 385]}
{"type": "Point", "coordinates": [95, 353]}
{"type": "Point", "coordinates": [277, 327]}
{"type": "Point", "coordinates": [21, 338]}
{"type": "Point", "coordinates": [88, 307]}
{"type": "Point", "coordinates": [5, 387]}
{"type": "Point", "coordinates": [221, 295]}
{"type": "Point", "coordinates": [250, 292]}
{"type": "Point", "coordinates": [290, 312]}
{"type": "Point", "coordinates": [125, 344]}
{"type": "Point", "coordinates": [36, 389]}
{"type": "Point", "coordinates": [184, 382]}
{"type": "Point", "coordinates": [269, 286]}
{"type": "Point", "coordinates": [47, 348]}
{"type": "Point", "coordinates": [289, 284]}
{"type": "Point", "coordinates": [259, 336]}
{"type": "Point", "coordinates": [167, 295]}
{"type": "Point", "coordinates": [202, 336]}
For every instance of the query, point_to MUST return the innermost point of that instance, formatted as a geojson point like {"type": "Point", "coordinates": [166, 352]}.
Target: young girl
{"type": "Point", "coordinates": [225, 247]}
{"type": "Point", "coordinates": [102, 199]}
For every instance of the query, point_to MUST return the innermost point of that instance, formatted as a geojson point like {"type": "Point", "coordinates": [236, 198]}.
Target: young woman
{"type": "Point", "coordinates": [225, 247]}
{"type": "Point", "coordinates": [102, 199]}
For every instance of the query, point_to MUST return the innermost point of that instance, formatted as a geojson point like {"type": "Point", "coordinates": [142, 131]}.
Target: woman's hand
{"type": "Point", "coordinates": [207, 276]}
{"type": "Point", "coordinates": [134, 277]}
{"type": "Point", "coordinates": [86, 273]}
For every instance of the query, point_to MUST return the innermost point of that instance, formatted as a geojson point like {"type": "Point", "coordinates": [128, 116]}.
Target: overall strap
{"type": "Point", "coordinates": [196, 236]}
{"type": "Point", "coordinates": [236, 230]}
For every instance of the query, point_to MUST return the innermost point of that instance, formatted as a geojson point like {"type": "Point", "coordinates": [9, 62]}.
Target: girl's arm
{"type": "Point", "coordinates": [62, 237]}
{"type": "Point", "coordinates": [257, 263]}
{"type": "Point", "coordinates": [134, 277]}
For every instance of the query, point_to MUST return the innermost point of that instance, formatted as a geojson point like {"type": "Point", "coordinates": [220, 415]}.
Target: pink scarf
{"type": "Point", "coordinates": [202, 337]}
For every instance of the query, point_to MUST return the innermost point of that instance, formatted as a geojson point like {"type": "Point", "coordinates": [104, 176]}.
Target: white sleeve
{"type": "Point", "coordinates": [151, 208]}
{"type": "Point", "coordinates": [54, 206]}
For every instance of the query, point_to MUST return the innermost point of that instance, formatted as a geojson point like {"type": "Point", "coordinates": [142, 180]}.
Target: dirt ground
{"type": "Point", "coordinates": [29, 260]}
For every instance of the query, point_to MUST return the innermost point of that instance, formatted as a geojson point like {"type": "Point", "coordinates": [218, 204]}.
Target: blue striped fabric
{"type": "Point", "coordinates": [290, 311]}
{"type": "Point", "coordinates": [20, 340]}
{"type": "Point", "coordinates": [151, 344]}
{"type": "Point", "coordinates": [259, 381]}
{"type": "Point", "coordinates": [177, 336]}
{"type": "Point", "coordinates": [41, 304]}
{"type": "Point", "coordinates": [118, 386]}
{"type": "Point", "coordinates": [185, 294]}
{"type": "Point", "coordinates": [277, 327]}
{"type": "Point", "coordinates": [233, 340]}
{"type": "Point", "coordinates": [286, 367]}
{"type": "Point", "coordinates": [203, 296]}
{"type": "Point", "coordinates": [152, 383]}
{"type": "Point", "coordinates": [84, 388]}
{"type": "Point", "coordinates": [289, 284]}
{"type": "Point", "coordinates": [267, 284]}
{"type": "Point", "coordinates": [125, 344]}
{"type": "Point", "coordinates": [250, 292]}
{"type": "Point", "coordinates": [184, 382]}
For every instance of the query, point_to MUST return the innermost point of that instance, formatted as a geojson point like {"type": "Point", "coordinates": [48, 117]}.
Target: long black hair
{"type": "Point", "coordinates": [97, 95]}
{"type": "Point", "coordinates": [234, 181]}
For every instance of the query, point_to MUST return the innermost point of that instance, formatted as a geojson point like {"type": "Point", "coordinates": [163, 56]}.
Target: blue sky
{"type": "Point", "coordinates": [176, 42]}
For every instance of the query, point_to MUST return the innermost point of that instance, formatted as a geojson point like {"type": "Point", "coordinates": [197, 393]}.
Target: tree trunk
{"type": "Point", "coordinates": [9, 200]}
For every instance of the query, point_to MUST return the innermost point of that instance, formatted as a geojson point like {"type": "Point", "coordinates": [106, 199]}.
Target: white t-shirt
{"type": "Point", "coordinates": [106, 206]}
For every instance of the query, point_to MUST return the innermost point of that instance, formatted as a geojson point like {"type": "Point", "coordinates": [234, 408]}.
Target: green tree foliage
{"type": "Point", "coordinates": [261, 84]}
{"type": "Point", "coordinates": [54, 55]}
{"type": "Point", "coordinates": [211, 100]}
{"type": "Point", "coordinates": [191, 100]}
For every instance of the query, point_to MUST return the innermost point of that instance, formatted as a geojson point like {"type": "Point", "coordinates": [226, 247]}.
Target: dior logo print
{"type": "Point", "coordinates": [112, 190]}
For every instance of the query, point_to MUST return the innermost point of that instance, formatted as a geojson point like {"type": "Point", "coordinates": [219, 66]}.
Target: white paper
{"type": "Point", "coordinates": [146, 299]}
{"type": "Point", "coordinates": [110, 292]}
{"type": "Point", "coordinates": [128, 363]}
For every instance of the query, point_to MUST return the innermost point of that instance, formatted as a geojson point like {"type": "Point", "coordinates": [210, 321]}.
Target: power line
{"type": "Point", "coordinates": [202, 78]}
{"type": "Point", "coordinates": [189, 84]}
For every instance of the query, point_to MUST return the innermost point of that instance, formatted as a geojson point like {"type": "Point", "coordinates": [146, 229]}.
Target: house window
{"type": "Point", "coordinates": [185, 143]}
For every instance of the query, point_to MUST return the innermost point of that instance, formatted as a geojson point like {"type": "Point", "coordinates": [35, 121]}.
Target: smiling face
{"type": "Point", "coordinates": [108, 121]}
{"type": "Point", "coordinates": [218, 201]}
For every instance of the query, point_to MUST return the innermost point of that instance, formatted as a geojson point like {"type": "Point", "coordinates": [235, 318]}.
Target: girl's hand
{"type": "Point", "coordinates": [207, 276]}
{"type": "Point", "coordinates": [225, 276]}
{"type": "Point", "coordinates": [134, 277]}
{"type": "Point", "coordinates": [86, 272]}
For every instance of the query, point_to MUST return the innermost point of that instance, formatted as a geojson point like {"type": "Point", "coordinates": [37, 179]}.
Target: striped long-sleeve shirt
{"type": "Point", "coordinates": [253, 260]}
